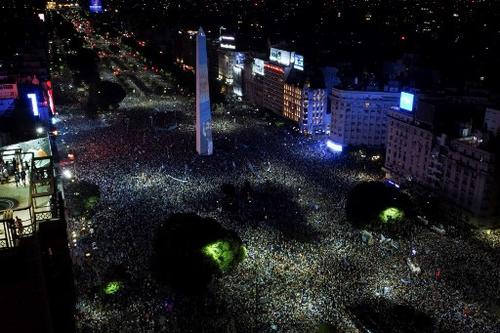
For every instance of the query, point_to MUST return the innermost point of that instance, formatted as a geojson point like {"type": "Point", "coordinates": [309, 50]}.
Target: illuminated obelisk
{"type": "Point", "coordinates": [204, 144]}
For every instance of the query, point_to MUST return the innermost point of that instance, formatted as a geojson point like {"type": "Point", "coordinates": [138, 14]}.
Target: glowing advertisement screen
{"type": "Point", "coordinates": [227, 42]}
{"type": "Point", "coordinates": [280, 56]}
{"type": "Point", "coordinates": [95, 6]}
{"type": "Point", "coordinates": [258, 66]}
{"type": "Point", "coordinates": [406, 101]}
{"type": "Point", "coordinates": [34, 104]}
{"type": "Point", "coordinates": [298, 62]}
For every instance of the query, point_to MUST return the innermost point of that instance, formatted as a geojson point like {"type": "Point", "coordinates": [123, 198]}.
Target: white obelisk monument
{"type": "Point", "coordinates": [204, 143]}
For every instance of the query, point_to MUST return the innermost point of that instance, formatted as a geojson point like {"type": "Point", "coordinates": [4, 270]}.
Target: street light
{"type": "Point", "coordinates": [39, 130]}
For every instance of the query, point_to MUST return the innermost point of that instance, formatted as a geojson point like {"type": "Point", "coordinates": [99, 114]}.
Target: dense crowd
{"type": "Point", "coordinates": [306, 264]}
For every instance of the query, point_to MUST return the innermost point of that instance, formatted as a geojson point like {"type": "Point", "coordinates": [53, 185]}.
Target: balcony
{"type": "Point", "coordinates": [24, 205]}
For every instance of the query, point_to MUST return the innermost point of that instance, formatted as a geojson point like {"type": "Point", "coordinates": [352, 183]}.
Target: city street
{"type": "Point", "coordinates": [306, 265]}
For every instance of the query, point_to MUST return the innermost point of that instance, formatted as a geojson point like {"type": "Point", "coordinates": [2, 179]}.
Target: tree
{"type": "Point", "coordinates": [85, 63]}
{"type": "Point", "coordinates": [189, 250]}
{"type": "Point", "coordinates": [102, 95]}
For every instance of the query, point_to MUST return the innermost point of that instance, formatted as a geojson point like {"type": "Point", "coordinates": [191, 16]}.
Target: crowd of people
{"type": "Point", "coordinates": [306, 265]}
{"type": "Point", "coordinates": [15, 168]}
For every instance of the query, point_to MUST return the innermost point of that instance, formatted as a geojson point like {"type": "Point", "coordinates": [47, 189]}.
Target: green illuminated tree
{"type": "Point", "coordinates": [189, 250]}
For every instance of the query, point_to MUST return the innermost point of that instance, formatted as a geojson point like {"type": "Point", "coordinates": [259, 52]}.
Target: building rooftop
{"type": "Point", "coordinates": [27, 189]}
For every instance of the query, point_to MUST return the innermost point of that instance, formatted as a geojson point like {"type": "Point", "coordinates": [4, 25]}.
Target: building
{"type": "Point", "coordinates": [492, 121]}
{"type": "Point", "coordinates": [305, 102]}
{"type": "Point", "coordinates": [253, 80]}
{"type": "Point", "coordinates": [408, 147]}
{"type": "Point", "coordinates": [437, 147]}
{"type": "Point", "coordinates": [359, 118]}
{"type": "Point", "coordinates": [26, 100]}
{"type": "Point", "coordinates": [230, 67]}
{"type": "Point", "coordinates": [469, 175]}
{"type": "Point", "coordinates": [276, 70]}
{"type": "Point", "coordinates": [274, 87]}
{"type": "Point", "coordinates": [34, 255]}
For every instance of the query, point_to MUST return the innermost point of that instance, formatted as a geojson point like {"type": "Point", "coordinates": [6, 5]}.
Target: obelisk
{"type": "Point", "coordinates": [204, 144]}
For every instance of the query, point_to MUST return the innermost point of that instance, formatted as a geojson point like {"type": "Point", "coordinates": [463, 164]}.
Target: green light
{"type": "Point", "coordinates": [223, 254]}
{"type": "Point", "coordinates": [391, 214]}
{"type": "Point", "coordinates": [112, 287]}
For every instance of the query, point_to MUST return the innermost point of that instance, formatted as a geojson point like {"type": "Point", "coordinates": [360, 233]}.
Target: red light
{"type": "Point", "coordinates": [403, 37]}
{"type": "Point", "coordinates": [275, 69]}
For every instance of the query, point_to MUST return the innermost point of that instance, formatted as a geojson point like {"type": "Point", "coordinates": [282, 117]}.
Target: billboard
{"type": "Point", "coordinates": [406, 101]}
{"type": "Point", "coordinates": [298, 62]}
{"type": "Point", "coordinates": [258, 66]}
{"type": "Point", "coordinates": [8, 91]}
{"type": "Point", "coordinates": [281, 56]}
{"type": "Point", "coordinates": [239, 60]}
{"type": "Point", "coordinates": [34, 104]}
{"type": "Point", "coordinates": [95, 6]}
{"type": "Point", "coordinates": [227, 42]}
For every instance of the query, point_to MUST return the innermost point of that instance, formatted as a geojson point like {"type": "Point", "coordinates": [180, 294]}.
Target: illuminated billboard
{"type": "Point", "coordinates": [8, 91]}
{"type": "Point", "coordinates": [258, 66]}
{"type": "Point", "coordinates": [298, 62]}
{"type": "Point", "coordinates": [95, 6]}
{"type": "Point", "coordinates": [406, 101]}
{"type": "Point", "coordinates": [239, 60]}
{"type": "Point", "coordinates": [34, 104]}
{"type": "Point", "coordinates": [228, 46]}
{"type": "Point", "coordinates": [281, 56]}
{"type": "Point", "coordinates": [227, 42]}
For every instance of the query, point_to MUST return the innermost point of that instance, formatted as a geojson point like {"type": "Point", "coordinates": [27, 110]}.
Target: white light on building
{"type": "Point", "coordinates": [335, 147]}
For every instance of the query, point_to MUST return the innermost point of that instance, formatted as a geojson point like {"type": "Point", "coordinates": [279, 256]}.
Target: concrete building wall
{"type": "Point", "coordinates": [459, 169]}
{"type": "Point", "coordinates": [360, 117]}
{"type": "Point", "coordinates": [274, 84]}
{"type": "Point", "coordinates": [492, 121]}
{"type": "Point", "coordinates": [408, 147]}
{"type": "Point", "coordinates": [253, 85]}
{"type": "Point", "coordinates": [469, 177]}
{"type": "Point", "coordinates": [307, 107]}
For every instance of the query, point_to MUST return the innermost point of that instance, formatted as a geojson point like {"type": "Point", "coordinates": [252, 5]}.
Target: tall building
{"type": "Point", "coordinates": [359, 118]}
{"type": "Point", "coordinates": [492, 121]}
{"type": "Point", "coordinates": [274, 85]}
{"type": "Point", "coordinates": [24, 45]}
{"type": "Point", "coordinates": [409, 143]}
{"type": "Point", "coordinates": [437, 147]}
{"type": "Point", "coordinates": [204, 144]}
{"type": "Point", "coordinates": [230, 67]}
{"type": "Point", "coordinates": [469, 175]}
{"type": "Point", "coordinates": [305, 102]}
{"type": "Point", "coordinates": [253, 80]}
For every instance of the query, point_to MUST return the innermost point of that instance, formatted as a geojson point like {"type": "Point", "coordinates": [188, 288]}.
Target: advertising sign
{"type": "Point", "coordinates": [406, 101]}
{"type": "Point", "coordinates": [34, 104]}
{"type": "Point", "coordinates": [95, 6]}
{"type": "Point", "coordinates": [280, 56]}
{"type": "Point", "coordinates": [227, 42]}
{"type": "Point", "coordinates": [258, 66]}
{"type": "Point", "coordinates": [298, 62]}
{"type": "Point", "coordinates": [8, 91]}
